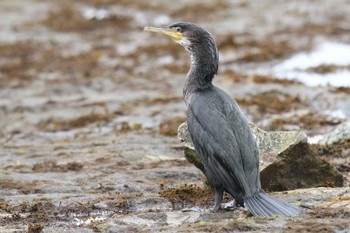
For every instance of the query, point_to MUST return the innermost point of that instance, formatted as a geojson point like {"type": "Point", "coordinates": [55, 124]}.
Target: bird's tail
{"type": "Point", "coordinates": [266, 205]}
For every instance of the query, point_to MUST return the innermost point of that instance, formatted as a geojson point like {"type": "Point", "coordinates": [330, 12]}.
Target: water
{"type": "Point", "coordinates": [327, 53]}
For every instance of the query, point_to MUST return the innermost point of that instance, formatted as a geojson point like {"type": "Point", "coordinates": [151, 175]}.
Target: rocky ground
{"type": "Point", "coordinates": [90, 105]}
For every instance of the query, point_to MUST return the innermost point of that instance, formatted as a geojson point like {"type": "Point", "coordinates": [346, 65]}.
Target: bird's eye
{"type": "Point", "coordinates": [178, 29]}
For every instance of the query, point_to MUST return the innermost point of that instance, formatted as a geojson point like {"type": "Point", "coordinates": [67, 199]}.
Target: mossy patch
{"type": "Point", "coordinates": [267, 50]}
{"type": "Point", "coordinates": [53, 124]}
{"type": "Point", "coordinates": [35, 228]}
{"type": "Point", "coordinates": [310, 120]}
{"type": "Point", "coordinates": [186, 195]}
{"type": "Point", "coordinates": [169, 127]}
{"type": "Point", "coordinates": [66, 18]}
{"type": "Point", "coordinates": [273, 102]}
{"type": "Point", "coordinates": [337, 155]}
{"type": "Point", "coordinates": [268, 79]}
{"type": "Point", "coordinates": [326, 68]}
{"type": "Point", "coordinates": [21, 187]}
{"type": "Point", "coordinates": [52, 166]}
{"type": "Point", "coordinates": [17, 64]}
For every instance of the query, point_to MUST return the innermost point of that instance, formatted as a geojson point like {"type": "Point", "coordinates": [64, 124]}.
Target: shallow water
{"type": "Point", "coordinates": [326, 53]}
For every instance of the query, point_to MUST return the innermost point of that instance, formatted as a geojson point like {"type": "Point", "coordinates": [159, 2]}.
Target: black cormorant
{"type": "Point", "coordinates": [218, 128]}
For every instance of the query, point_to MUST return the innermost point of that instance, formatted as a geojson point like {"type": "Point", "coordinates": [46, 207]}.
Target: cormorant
{"type": "Point", "coordinates": [218, 128]}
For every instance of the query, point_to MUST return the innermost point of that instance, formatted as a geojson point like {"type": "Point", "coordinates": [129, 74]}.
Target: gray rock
{"type": "Point", "coordinates": [287, 161]}
{"type": "Point", "coordinates": [178, 218]}
{"type": "Point", "coordinates": [299, 167]}
{"type": "Point", "coordinates": [190, 153]}
{"type": "Point", "coordinates": [273, 143]}
{"type": "Point", "coordinates": [339, 135]}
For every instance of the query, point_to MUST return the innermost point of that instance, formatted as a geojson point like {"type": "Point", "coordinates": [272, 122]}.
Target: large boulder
{"type": "Point", "coordinates": [287, 161]}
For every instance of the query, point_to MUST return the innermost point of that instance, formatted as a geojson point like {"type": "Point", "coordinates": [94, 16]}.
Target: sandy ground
{"type": "Point", "coordinates": [90, 105]}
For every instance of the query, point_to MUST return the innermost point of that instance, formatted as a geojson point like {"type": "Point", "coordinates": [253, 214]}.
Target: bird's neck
{"type": "Point", "coordinates": [204, 65]}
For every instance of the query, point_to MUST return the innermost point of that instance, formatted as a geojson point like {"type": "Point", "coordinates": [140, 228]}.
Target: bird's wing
{"type": "Point", "coordinates": [222, 136]}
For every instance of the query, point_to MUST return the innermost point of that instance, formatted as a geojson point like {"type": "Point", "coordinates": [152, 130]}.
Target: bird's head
{"type": "Point", "coordinates": [188, 35]}
{"type": "Point", "coordinates": [199, 43]}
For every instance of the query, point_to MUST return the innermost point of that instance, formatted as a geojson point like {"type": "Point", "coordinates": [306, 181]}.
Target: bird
{"type": "Point", "coordinates": [219, 129]}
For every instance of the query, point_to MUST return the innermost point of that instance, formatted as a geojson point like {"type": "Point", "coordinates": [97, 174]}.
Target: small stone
{"type": "Point", "coordinates": [178, 217]}
{"type": "Point", "coordinates": [190, 153]}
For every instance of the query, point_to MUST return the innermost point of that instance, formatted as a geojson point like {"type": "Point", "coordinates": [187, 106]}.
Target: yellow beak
{"type": "Point", "coordinates": [165, 31]}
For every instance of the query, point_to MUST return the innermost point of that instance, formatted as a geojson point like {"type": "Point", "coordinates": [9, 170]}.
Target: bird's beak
{"type": "Point", "coordinates": [165, 31]}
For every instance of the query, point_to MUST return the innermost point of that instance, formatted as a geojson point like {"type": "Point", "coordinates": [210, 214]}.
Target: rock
{"type": "Point", "coordinates": [176, 218]}
{"type": "Point", "coordinates": [190, 153]}
{"type": "Point", "coordinates": [287, 160]}
{"type": "Point", "coordinates": [299, 167]}
{"type": "Point", "coordinates": [339, 135]}
{"type": "Point", "coordinates": [273, 143]}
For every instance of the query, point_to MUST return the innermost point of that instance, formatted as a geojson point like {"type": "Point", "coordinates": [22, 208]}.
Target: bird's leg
{"type": "Point", "coordinates": [219, 192]}
{"type": "Point", "coordinates": [236, 204]}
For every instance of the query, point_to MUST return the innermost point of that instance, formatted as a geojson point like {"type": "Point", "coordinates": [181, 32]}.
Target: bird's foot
{"type": "Point", "coordinates": [216, 207]}
{"type": "Point", "coordinates": [219, 192]}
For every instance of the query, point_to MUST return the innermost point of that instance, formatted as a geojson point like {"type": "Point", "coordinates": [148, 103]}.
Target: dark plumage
{"type": "Point", "coordinates": [218, 128]}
